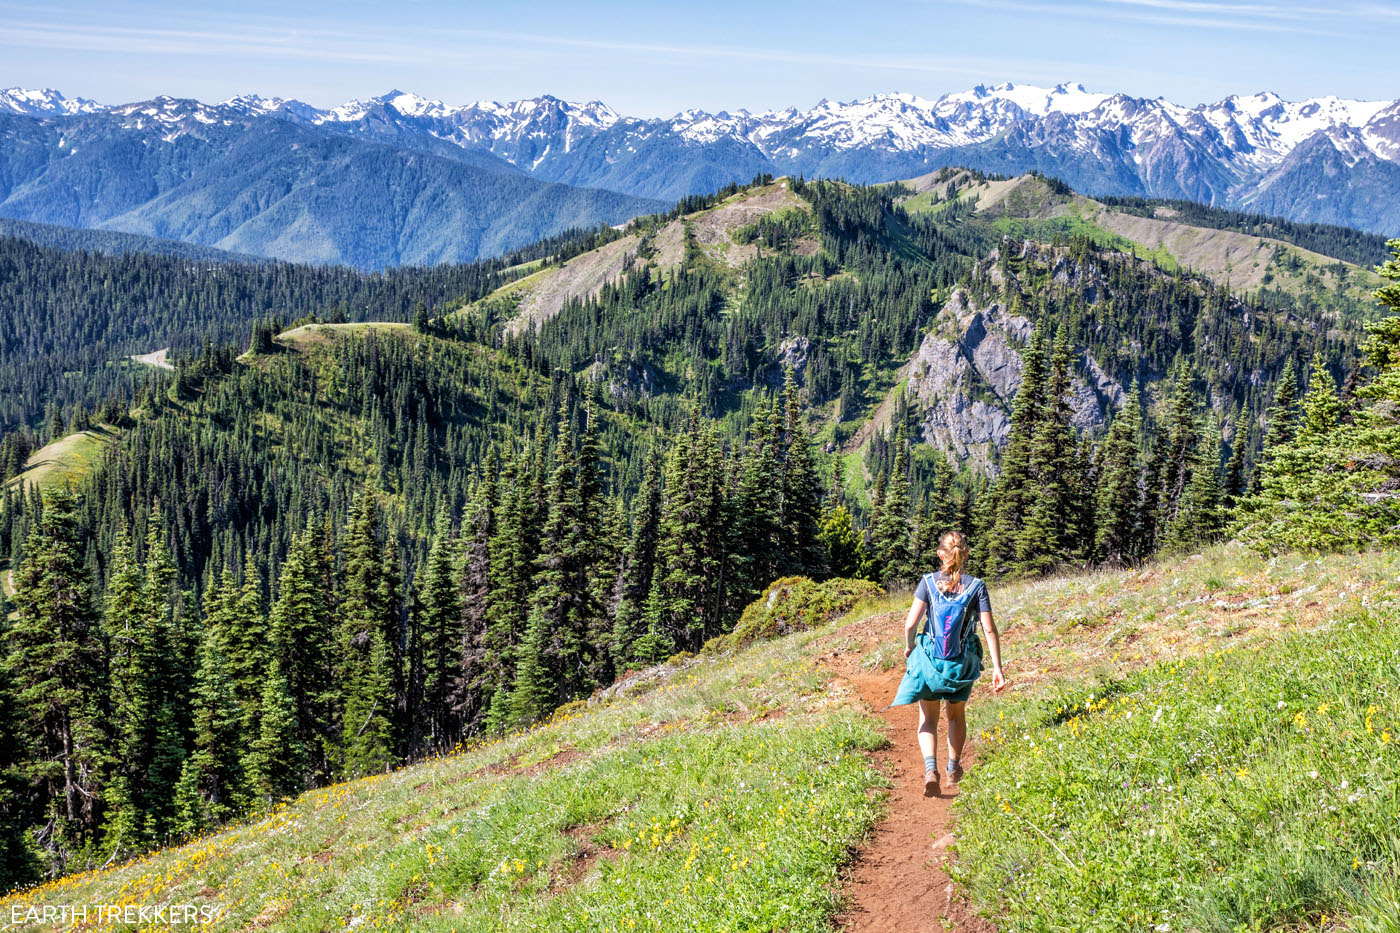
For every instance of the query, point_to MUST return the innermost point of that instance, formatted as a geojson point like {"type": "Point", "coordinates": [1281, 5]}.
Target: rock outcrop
{"type": "Point", "coordinates": [965, 374]}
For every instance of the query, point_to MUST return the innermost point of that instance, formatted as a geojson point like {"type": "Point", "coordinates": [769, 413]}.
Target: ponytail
{"type": "Point", "coordinates": [956, 546]}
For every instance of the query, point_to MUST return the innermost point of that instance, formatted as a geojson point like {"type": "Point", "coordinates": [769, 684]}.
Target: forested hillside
{"type": "Point", "coordinates": [317, 553]}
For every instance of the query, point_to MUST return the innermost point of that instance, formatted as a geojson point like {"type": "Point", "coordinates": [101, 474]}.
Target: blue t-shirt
{"type": "Point", "coordinates": [984, 602]}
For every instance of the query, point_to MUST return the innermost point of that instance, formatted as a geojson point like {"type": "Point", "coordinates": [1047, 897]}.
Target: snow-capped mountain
{"type": "Point", "coordinates": [44, 102]}
{"type": "Point", "coordinates": [1228, 152]}
{"type": "Point", "coordinates": [1253, 152]}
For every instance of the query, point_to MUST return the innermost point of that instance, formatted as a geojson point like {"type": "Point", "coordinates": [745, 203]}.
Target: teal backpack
{"type": "Point", "coordinates": [947, 655]}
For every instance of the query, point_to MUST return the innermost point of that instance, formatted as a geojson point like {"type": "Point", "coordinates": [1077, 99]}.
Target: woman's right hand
{"type": "Point", "coordinates": [998, 680]}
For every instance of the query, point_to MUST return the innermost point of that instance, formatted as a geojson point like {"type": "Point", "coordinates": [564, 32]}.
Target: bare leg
{"type": "Point", "coordinates": [957, 728]}
{"type": "Point", "coordinates": [928, 727]}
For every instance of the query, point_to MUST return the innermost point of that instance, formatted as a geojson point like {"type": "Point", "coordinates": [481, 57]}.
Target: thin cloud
{"type": "Point", "coordinates": [1140, 11]}
{"type": "Point", "coordinates": [273, 43]}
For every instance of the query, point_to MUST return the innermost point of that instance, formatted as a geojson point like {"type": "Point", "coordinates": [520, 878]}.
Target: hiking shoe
{"type": "Point", "coordinates": [955, 772]}
{"type": "Point", "coordinates": [931, 782]}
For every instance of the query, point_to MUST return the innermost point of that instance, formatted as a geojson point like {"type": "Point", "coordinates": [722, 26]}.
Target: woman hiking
{"type": "Point", "coordinates": [944, 658]}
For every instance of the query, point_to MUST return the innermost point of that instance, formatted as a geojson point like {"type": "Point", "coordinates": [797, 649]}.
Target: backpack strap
{"type": "Point", "coordinates": [926, 624]}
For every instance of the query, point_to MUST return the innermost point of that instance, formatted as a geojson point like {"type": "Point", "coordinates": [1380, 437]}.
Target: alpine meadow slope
{"type": "Point", "coordinates": [424, 597]}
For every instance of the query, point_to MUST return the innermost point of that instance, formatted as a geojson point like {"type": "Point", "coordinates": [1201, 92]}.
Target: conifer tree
{"type": "Point", "coordinates": [211, 785]}
{"type": "Point", "coordinates": [1281, 419]}
{"type": "Point", "coordinates": [438, 637]}
{"type": "Point", "coordinates": [755, 552]}
{"type": "Point", "coordinates": [171, 664]}
{"type": "Point", "coordinates": [1182, 443]}
{"type": "Point", "coordinates": [364, 681]}
{"type": "Point", "coordinates": [842, 542]}
{"type": "Point", "coordinates": [17, 813]}
{"type": "Point", "coordinates": [249, 653]}
{"type": "Point", "coordinates": [1049, 534]}
{"type": "Point", "coordinates": [302, 632]}
{"type": "Point", "coordinates": [1007, 505]}
{"type": "Point", "coordinates": [131, 710]}
{"type": "Point", "coordinates": [677, 605]}
{"type": "Point", "coordinates": [891, 538]}
{"type": "Point", "coordinates": [277, 757]}
{"type": "Point", "coordinates": [55, 665]}
{"type": "Point", "coordinates": [639, 564]}
{"type": "Point", "coordinates": [1116, 515]}
{"type": "Point", "coordinates": [801, 495]}
{"type": "Point", "coordinates": [468, 695]}
{"type": "Point", "coordinates": [1197, 519]}
{"type": "Point", "coordinates": [512, 554]}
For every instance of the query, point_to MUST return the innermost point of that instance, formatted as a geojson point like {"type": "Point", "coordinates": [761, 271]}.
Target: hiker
{"type": "Point", "coordinates": [944, 658]}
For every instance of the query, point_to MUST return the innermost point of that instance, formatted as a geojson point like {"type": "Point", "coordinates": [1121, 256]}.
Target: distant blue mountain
{"type": "Point", "coordinates": [267, 185]}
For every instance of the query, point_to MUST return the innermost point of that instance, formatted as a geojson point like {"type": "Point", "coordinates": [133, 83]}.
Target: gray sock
{"type": "Point", "coordinates": [930, 763]}
{"type": "Point", "coordinates": [952, 764]}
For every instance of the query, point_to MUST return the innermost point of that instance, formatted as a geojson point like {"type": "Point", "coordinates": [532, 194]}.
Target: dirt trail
{"type": "Point", "coordinates": [899, 880]}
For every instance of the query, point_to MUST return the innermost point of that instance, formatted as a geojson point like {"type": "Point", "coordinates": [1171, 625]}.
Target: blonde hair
{"type": "Point", "coordinates": [956, 545]}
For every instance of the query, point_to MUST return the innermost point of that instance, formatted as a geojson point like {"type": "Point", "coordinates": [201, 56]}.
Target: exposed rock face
{"type": "Point", "coordinates": [793, 352]}
{"type": "Point", "coordinates": [966, 372]}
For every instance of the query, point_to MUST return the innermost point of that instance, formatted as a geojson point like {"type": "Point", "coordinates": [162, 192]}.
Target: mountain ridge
{"type": "Point", "coordinates": [1251, 152]}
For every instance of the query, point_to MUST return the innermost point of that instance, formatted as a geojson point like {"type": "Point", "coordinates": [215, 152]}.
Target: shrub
{"type": "Point", "coordinates": [792, 604]}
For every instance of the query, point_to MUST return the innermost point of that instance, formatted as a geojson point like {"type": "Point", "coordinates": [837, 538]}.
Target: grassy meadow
{"type": "Point", "coordinates": [1201, 744]}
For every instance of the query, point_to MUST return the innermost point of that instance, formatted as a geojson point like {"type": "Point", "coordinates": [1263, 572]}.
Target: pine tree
{"type": "Point", "coordinates": [171, 664]}
{"type": "Point", "coordinates": [1198, 519]}
{"type": "Point", "coordinates": [468, 696]}
{"type": "Point", "coordinates": [17, 863]}
{"type": "Point", "coordinates": [842, 542]}
{"type": "Point", "coordinates": [1281, 418]}
{"type": "Point", "coordinates": [132, 656]}
{"type": "Point", "coordinates": [1007, 505]}
{"type": "Point", "coordinates": [1321, 409]}
{"type": "Point", "coordinates": [438, 627]}
{"type": "Point", "coordinates": [211, 787]}
{"type": "Point", "coordinates": [277, 756]}
{"type": "Point", "coordinates": [1117, 518]}
{"type": "Point", "coordinates": [677, 605]}
{"type": "Point", "coordinates": [363, 675]}
{"type": "Point", "coordinates": [55, 665]}
{"type": "Point", "coordinates": [639, 564]}
{"type": "Point", "coordinates": [564, 614]}
{"type": "Point", "coordinates": [301, 631]}
{"type": "Point", "coordinates": [754, 550]}
{"type": "Point", "coordinates": [512, 553]}
{"type": "Point", "coordinates": [892, 537]}
{"type": "Point", "coordinates": [1049, 533]}
{"type": "Point", "coordinates": [1183, 440]}
{"type": "Point", "coordinates": [801, 492]}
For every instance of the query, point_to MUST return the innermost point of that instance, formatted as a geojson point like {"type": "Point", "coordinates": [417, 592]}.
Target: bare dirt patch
{"type": "Point", "coordinates": [581, 277]}
{"type": "Point", "coordinates": [900, 880]}
{"type": "Point", "coordinates": [587, 852]}
{"type": "Point", "coordinates": [714, 228]}
{"type": "Point", "coordinates": [156, 358]}
{"type": "Point", "coordinates": [669, 245]}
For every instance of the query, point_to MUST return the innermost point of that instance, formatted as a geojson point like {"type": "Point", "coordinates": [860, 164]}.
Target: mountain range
{"type": "Point", "coordinates": [435, 182]}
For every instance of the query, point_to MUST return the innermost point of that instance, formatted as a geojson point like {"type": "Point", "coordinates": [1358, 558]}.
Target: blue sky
{"type": "Point", "coordinates": [653, 59]}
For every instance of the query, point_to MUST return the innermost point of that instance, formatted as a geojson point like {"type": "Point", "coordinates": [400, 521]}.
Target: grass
{"type": "Point", "coordinates": [1266, 774]}
{"type": "Point", "coordinates": [66, 461]}
{"type": "Point", "coordinates": [724, 794]}
{"type": "Point", "coordinates": [1092, 810]}
{"type": "Point", "coordinates": [1138, 774]}
{"type": "Point", "coordinates": [315, 335]}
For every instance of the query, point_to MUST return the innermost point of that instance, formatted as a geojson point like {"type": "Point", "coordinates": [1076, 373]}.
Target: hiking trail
{"type": "Point", "coordinates": [899, 880]}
